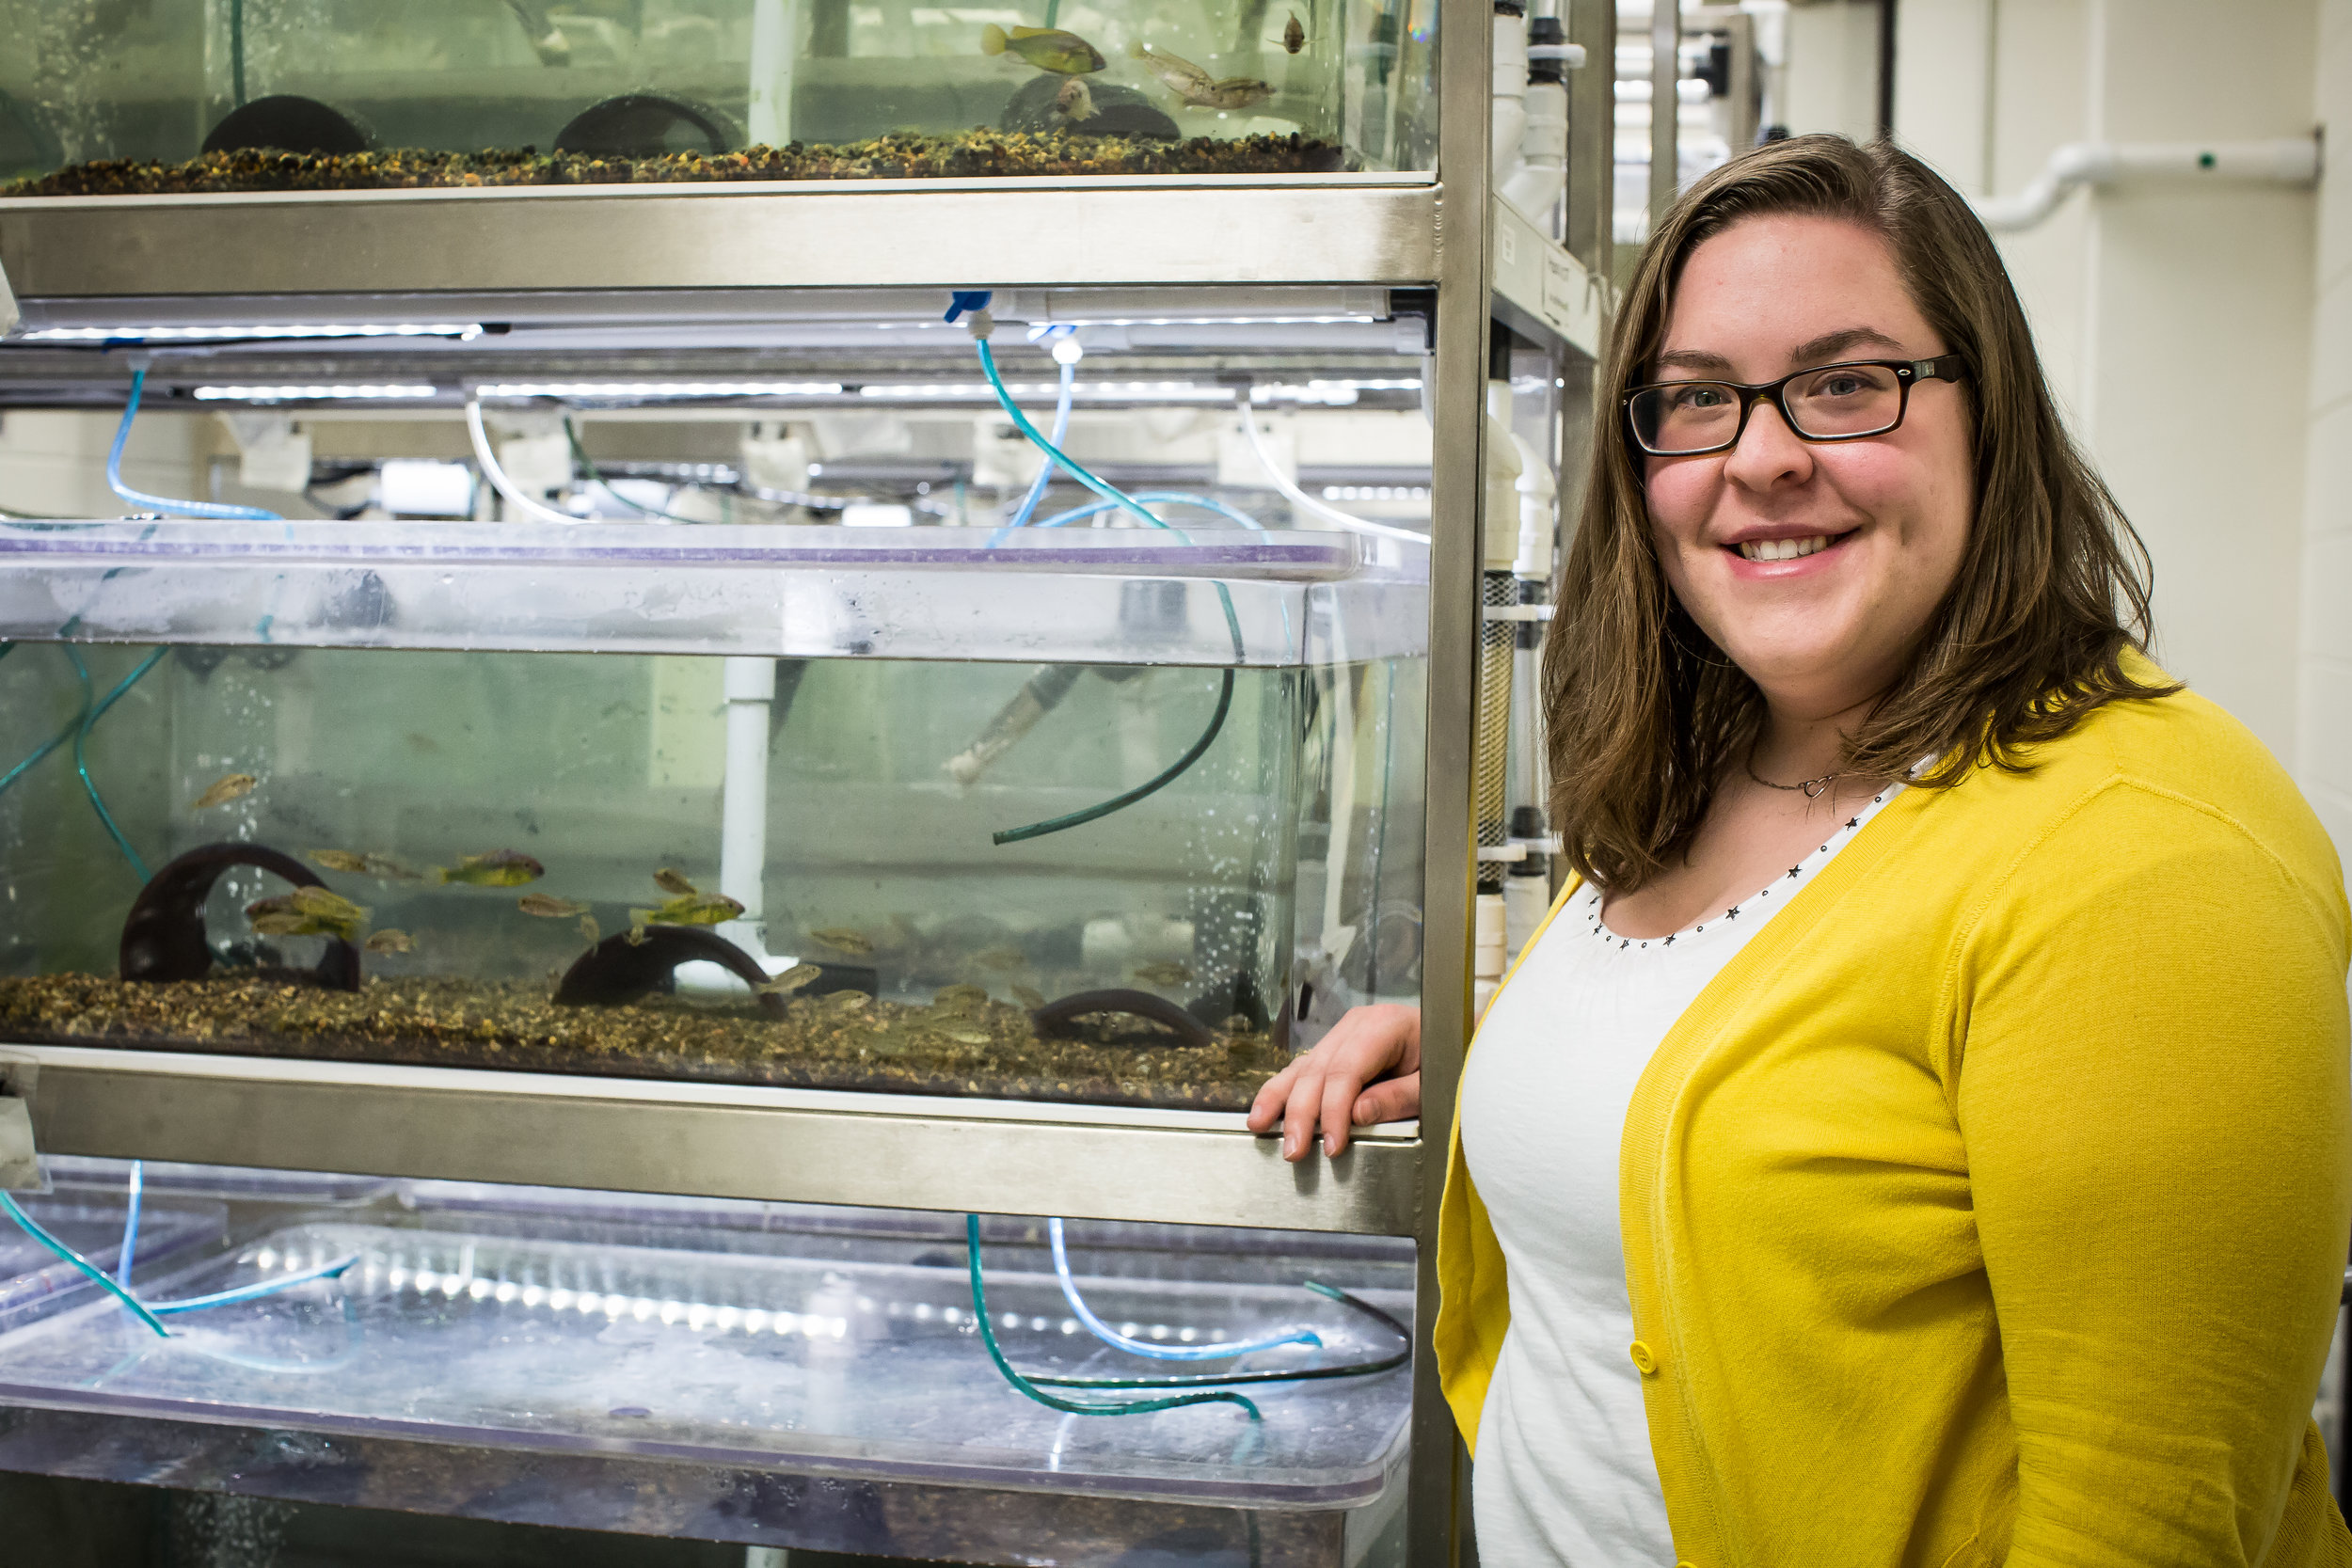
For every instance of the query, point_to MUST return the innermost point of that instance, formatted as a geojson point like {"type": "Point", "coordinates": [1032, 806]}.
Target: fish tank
{"type": "Point", "coordinates": [114, 97]}
{"type": "Point", "coordinates": [1104, 816]}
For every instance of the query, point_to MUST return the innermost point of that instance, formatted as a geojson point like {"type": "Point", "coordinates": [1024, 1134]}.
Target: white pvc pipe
{"type": "Point", "coordinates": [496, 476]}
{"type": "Point", "coordinates": [1298, 498]}
{"type": "Point", "coordinates": [2289, 161]}
{"type": "Point", "coordinates": [751, 691]}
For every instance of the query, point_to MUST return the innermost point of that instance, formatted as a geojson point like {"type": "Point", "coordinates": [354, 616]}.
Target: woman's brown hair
{"type": "Point", "coordinates": [1645, 714]}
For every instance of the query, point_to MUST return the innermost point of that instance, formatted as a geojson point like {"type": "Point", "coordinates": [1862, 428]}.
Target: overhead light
{"type": "Point", "coordinates": [649, 390]}
{"type": "Point", "coordinates": [463, 331]}
{"type": "Point", "coordinates": [358, 391]}
{"type": "Point", "coordinates": [1375, 491]}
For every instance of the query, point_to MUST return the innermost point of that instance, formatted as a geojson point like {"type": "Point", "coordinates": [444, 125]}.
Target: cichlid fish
{"type": "Point", "coordinates": [1166, 973]}
{"type": "Point", "coordinates": [790, 980]}
{"type": "Point", "coordinates": [848, 1001]}
{"type": "Point", "coordinates": [1074, 103]}
{"type": "Point", "coordinates": [635, 936]}
{"type": "Point", "coordinates": [499, 868]}
{"type": "Point", "coordinates": [389, 941]}
{"type": "Point", "coordinates": [548, 907]}
{"type": "Point", "coordinates": [968, 1037]}
{"type": "Point", "coordinates": [1196, 87]}
{"type": "Point", "coordinates": [227, 788]}
{"type": "Point", "coordinates": [1293, 36]}
{"type": "Point", "coordinates": [1029, 997]}
{"type": "Point", "coordinates": [841, 939]}
{"type": "Point", "coordinates": [960, 999]}
{"type": "Point", "coordinates": [590, 930]}
{"type": "Point", "coordinates": [307, 911]}
{"type": "Point", "coordinates": [689, 909]}
{"type": "Point", "coordinates": [1001, 957]}
{"type": "Point", "coordinates": [340, 860]}
{"type": "Point", "coordinates": [673, 882]}
{"type": "Point", "coordinates": [1065, 53]}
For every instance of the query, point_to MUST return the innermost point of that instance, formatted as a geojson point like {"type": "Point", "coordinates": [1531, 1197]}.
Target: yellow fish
{"type": "Point", "coordinates": [307, 911]}
{"type": "Point", "coordinates": [227, 788]}
{"type": "Point", "coordinates": [1065, 53]}
{"type": "Point", "coordinates": [689, 909]}
{"type": "Point", "coordinates": [499, 868]}
{"type": "Point", "coordinates": [548, 907]}
{"type": "Point", "coordinates": [389, 941]}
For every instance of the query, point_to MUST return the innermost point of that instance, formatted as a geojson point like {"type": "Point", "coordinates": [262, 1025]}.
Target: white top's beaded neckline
{"type": "Point", "coordinates": [1589, 899]}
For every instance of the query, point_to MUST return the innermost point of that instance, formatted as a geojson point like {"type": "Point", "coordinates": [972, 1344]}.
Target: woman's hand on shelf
{"type": "Point", "coordinates": [1366, 1070]}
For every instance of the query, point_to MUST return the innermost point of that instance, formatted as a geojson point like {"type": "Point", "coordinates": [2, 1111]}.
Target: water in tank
{"type": "Point", "coordinates": [501, 859]}
{"type": "Point", "coordinates": [165, 96]}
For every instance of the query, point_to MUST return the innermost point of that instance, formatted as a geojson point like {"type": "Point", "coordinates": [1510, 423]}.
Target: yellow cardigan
{"type": "Point", "coordinates": [1989, 1208]}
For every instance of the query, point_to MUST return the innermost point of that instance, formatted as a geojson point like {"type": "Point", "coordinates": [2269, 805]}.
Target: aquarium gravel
{"type": "Point", "coordinates": [843, 1040]}
{"type": "Point", "coordinates": [969, 154]}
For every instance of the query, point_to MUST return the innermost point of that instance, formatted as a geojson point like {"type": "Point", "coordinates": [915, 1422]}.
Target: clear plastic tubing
{"type": "Point", "coordinates": [1117, 1340]}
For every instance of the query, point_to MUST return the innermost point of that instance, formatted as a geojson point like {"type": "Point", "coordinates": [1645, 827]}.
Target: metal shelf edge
{"type": "Point", "coordinates": [378, 242]}
{"type": "Point", "coordinates": [711, 1140]}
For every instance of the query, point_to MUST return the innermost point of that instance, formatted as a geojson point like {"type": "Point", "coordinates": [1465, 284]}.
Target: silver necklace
{"type": "Point", "coordinates": [1811, 788]}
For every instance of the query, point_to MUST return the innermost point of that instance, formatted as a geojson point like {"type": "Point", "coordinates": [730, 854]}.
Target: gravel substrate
{"type": "Point", "coordinates": [966, 154]}
{"type": "Point", "coordinates": [843, 1041]}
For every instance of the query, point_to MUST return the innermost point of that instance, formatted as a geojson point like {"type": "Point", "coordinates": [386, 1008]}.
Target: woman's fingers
{"type": "Point", "coordinates": [1392, 1099]}
{"type": "Point", "coordinates": [1316, 1096]}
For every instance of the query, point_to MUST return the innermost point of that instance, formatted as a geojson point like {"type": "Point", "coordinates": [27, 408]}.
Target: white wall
{"type": "Point", "coordinates": [2175, 322]}
{"type": "Point", "coordinates": [53, 464]}
{"type": "Point", "coordinates": [2325, 641]}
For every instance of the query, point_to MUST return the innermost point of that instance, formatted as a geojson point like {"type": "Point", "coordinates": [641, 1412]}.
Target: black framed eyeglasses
{"type": "Point", "coordinates": [1829, 402]}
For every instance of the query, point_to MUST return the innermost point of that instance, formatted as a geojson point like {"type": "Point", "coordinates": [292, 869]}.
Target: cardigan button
{"type": "Point", "coordinates": [1643, 1362]}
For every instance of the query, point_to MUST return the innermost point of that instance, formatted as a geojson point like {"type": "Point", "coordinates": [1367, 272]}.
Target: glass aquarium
{"type": "Point", "coordinates": [1119, 882]}
{"type": "Point", "coordinates": [104, 97]}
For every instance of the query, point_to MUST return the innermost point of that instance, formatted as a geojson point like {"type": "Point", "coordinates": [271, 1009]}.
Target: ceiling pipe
{"type": "Point", "coordinates": [2288, 161]}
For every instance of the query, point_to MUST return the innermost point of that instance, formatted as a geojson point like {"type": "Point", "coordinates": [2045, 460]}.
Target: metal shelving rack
{"type": "Point", "coordinates": [1485, 262]}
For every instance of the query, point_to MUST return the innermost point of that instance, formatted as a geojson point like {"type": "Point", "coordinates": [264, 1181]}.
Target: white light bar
{"type": "Point", "coordinates": [649, 390]}
{"type": "Point", "coordinates": [1095, 391]}
{"type": "Point", "coordinates": [463, 331]}
{"type": "Point", "coordinates": [1375, 491]}
{"type": "Point", "coordinates": [358, 391]}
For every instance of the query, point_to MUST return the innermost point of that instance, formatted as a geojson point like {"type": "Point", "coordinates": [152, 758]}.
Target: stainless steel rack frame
{"type": "Point", "coordinates": [1484, 262]}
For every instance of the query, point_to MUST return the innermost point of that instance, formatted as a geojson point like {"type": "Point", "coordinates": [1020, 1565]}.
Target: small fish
{"type": "Point", "coordinates": [848, 1001]}
{"type": "Point", "coordinates": [1293, 36]}
{"type": "Point", "coordinates": [1074, 103]}
{"type": "Point", "coordinates": [340, 860]}
{"type": "Point", "coordinates": [499, 868]}
{"type": "Point", "coordinates": [227, 788]}
{"type": "Point", "coordinates": [386, 870]}
{"type": "Point", "coordinates": [689, 909]}
{"type": "Point", "coordinates": [969, 1037]}
{"type": "Point", "coordinates": [636, 937]}
{"type": "Point", "coordinates": [590, 930]}
{"type": "Point", "coordinates": [1163, 974]}
{"type": "Point", "coordinates": [389, 941]}
{"type": "Point", "coordinates": [843, 940]}
{"type": "Point", "coordinates": [673, 882]}
{"type": "Point", "coordinates": [1001, 957]}
{"type": "Point", "coordinates": [548, 907]}
{"type": "Point", "coordinates": [790, 980]}
{"type": "Point", "coordinates": [307, 911]}
{"type": "Point", "coordinates": [1196, 87]}
{"type": "Point", "coordinates": [1029, 997]}
{"type": "Point", "coordinates": [960, 999]}
{"type": "Point", "coordinates": [1064, 54]}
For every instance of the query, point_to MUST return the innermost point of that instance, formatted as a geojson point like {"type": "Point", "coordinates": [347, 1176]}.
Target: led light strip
{"type": "Point", "coordinates": [359, 391]}
{"type": "Point", "coordinates": [660, 389]}
{"type": "Point", "coordinates": [461, 331]}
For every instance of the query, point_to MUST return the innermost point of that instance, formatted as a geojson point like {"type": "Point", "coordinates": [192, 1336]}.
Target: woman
{"type": "Point", "coordinates": [1919, 1135]}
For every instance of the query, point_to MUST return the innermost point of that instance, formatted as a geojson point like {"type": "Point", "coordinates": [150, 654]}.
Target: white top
{"type": "Point", "coordinates": [1564, 1475]}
